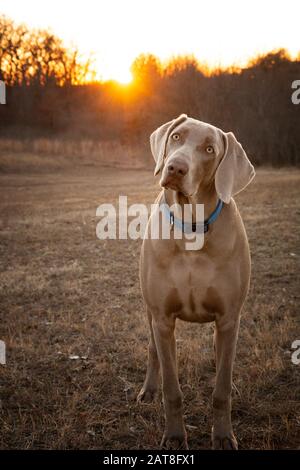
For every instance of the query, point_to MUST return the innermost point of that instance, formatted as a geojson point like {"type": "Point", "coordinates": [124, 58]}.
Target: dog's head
{"type": "Point", "coordinates": [191, 153]}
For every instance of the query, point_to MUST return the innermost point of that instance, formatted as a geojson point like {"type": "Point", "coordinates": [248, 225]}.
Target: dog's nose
{"type": "Point", "coordinates": [177, 168]}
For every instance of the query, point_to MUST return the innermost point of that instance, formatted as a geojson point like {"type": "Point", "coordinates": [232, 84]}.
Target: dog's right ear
{"type": "Point", "coordinates": [159, 139]}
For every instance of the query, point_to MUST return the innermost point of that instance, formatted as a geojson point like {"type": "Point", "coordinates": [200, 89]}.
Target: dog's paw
{"type": "Point", "coordinates": [227, 442]}
{"type": "Point", "coordinates": [175, 442]}
{"type": "Point", "coordinates": [146, 396]}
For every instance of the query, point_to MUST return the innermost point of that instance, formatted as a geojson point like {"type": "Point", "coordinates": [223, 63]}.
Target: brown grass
{"type": "Point", "coordinates": [50, 154]}
{"type": "Point", "coordinates": [64, 293]}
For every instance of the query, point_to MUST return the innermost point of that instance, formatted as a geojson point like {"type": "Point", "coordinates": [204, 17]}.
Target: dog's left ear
{"type": "Point", "coordinates": [235, 171]}
{"type": "Point", "coordinates": [159, 139]}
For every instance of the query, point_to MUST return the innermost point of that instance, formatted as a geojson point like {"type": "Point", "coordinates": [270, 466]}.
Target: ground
{"type": "Point", "coordinates": [76, 334]}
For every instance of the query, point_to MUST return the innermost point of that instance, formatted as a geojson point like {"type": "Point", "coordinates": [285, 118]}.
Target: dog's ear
{"type": "Point", "coordinates": [159, 139]}
{"type": "Point", "coordinates": [235, 171]}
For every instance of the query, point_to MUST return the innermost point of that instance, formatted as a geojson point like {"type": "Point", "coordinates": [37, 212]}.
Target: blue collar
{"type": "Point", "coordinates": [187, 227]}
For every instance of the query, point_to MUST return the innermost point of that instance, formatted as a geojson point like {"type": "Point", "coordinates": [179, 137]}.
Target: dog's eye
{"type": "Point", "coordinates": [175, 136]}
{"type": "Point", "coordinates": [209, 149]}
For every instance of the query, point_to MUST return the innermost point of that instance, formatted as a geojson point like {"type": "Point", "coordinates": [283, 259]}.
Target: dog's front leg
{"type": "Point", "coordinates": [175, 435]}
{"type": "Point", "coordinates": [151, 383]}
{"type": "Point", "coordinates": [225, 344]}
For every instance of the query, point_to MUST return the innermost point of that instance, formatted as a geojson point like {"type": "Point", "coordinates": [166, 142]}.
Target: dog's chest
{"type": "Point", "coordinates": [187, 287]}
{"type": "Point", "coordinates": [190, 289]}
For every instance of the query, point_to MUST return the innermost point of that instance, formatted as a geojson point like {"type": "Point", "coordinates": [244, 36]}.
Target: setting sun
{"type": "Point", "coordinates": [120, 73]}
{"type": "Point", "coordinates": [123, 77]}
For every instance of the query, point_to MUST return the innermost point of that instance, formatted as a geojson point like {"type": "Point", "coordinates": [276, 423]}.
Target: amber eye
{"type": "Point", "coordinates": [209, 149]}
{"type": "Point", "coordinates": [175, 136]}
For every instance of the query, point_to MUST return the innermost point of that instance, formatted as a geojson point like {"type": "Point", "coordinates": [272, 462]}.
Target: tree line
{"type": "Point", "coordinates": [52, 91]}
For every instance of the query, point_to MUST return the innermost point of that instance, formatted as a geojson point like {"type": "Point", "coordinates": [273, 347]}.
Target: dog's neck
{"type": "Point", "coordinates": [206, 195]}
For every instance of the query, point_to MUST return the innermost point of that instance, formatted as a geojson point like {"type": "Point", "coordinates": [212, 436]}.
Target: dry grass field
{"type": "Point", "coordinates": [64, 293]}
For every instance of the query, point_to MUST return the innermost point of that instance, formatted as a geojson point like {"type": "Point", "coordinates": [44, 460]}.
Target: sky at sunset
{"type": "Point", "coordinates": [116, 31]}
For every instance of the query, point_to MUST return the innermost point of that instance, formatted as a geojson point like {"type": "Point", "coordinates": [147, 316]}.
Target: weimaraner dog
{"type": "Point", "coordinates": [198, 163]}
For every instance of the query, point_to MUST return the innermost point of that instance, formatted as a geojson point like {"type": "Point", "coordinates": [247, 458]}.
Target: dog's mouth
{"type": "Point", "coordinates": [174, 185]}
{"type": "Point", "coordinates": [170, 183]}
